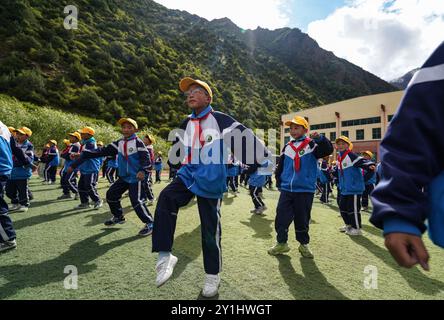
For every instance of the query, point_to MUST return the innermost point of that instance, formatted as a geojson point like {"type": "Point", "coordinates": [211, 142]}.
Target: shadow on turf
{"type": "Point", "coordinates": [80, 254]}
{"type": "Point", "coordinates": [416, 280]}
{"type": "Point", "coordinates": [260, 225]}
{"type": "Point", "coordinates": [34, 220]}
{"type": "Point", "coordinates": [310, 286]}
{"type": "Point", "coordinates": [187, 248]}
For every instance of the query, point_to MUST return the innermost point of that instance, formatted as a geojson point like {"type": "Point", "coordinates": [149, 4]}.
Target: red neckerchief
{"type": "Point", "coordinates": [340, 159]}
{"type": "Point", "coordinates": [197, 135]}
{"type": "Point", "coordinates": [297, 158]}
{"type": "Point", "coordinates": [125, 147]}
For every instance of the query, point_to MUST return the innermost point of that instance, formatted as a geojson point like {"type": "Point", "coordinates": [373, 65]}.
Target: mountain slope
{"type": "Point", "coordinates": [127, 57]}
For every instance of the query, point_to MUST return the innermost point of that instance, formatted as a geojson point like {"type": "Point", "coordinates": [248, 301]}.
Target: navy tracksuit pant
{"type": "Point", "coordinates": [17, 191]}
{"type": "Point", "coordinates": [326, 190]}
{"type": "Point", "coordinates": [50, 173]}
{"type": "Point", "coordinates": [137, 197]}
{"type": "Point", "coordinates": [254, 193]}
{"type": "Point", "coordinates": [294, 207]}
{"type": "Point", "coordinates": [7, 232]}
{"type": "Point", "coordinates": [171, 199]}
{"type": "Point", "coordinates": [69, 182]}
{"type": "Point", "coordinates": [147, 185]}
{"type": "Point", "coordinates": [368, 190]}
{"type": "Point", "coordinates": [88, 187]}
{"type": "Point", "coordinates": [110, 174]}
{"type": "Point", "coordinates": [350, 207]}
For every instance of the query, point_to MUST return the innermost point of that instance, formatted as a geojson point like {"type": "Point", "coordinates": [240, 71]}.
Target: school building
{"type": "Point", "coordinates": [364, 120]}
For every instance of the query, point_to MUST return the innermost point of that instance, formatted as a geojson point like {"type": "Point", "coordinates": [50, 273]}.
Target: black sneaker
{"type": "Point", "coordinates": [65, 196]}
{"type": "Point", "coordinates": [147, 230]}
{"type": "Point", "coordinates": [115, 220]}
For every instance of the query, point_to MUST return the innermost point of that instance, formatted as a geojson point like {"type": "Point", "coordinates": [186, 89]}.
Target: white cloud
{"type": "Point", "coordinates": [387, 38]}
{"type": "Point", "coordinates": [247, 14]}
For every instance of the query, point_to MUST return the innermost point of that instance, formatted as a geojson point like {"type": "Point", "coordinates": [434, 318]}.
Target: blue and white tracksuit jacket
{"type": "Point", "coordinates": [23, 170]}
{"type": "Point", "coordinates": [411, 188]}
{"type": "Point", "coordinates": [53, 157]}
{"type": "Point", "coordinates": [90, 165]}
{"type": "Point", "coordinates": [302, 181]}
{"type": "Point", "coordinates": [132, 157]}
{"type": "Point", "coordinates": [74, 148]}
{"type": "Point", "coordinates": [351, 180]}
{"type": "Point", "coordinates": [204, 162]}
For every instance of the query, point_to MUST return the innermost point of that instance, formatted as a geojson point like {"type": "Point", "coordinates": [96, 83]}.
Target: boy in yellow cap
{"type": "Point", "coordinates": [17, 187]}
{"type": "Point", "coordinates": [351, 184]}
{"type": "Point", "coordinates": [89, 170]}
{"type": "Point", "coordinates": [133, 161]}
{"type": "Point", "coordinates": [296, 176]}
{"type": "Point", "coordinates": [52, 160]}
{"type": "Point", "coordinates": [202, 133]}
{"type": "Point", "coordinates": [69, 180]}
{"type": "Point", "coordinates": [369, 181]}
{"type": "Point", "coordinates": [158, 166]}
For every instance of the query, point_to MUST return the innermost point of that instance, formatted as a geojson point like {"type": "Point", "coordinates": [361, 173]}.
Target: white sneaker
{"type": "Point", "coordinates": [353, 232]}
{"type": "Point", "coordinates": [164, 269]}
{"type": "Point", "coordinates": [211, 285]}
{"type": "Point", "coordinates": [14, 207]}
{"type": "Point", "coordinates": [344, 228]}
{"type": "Point", "coordinates": [22, 209]}
{"type": "Point", "coordinates": [8, 245]}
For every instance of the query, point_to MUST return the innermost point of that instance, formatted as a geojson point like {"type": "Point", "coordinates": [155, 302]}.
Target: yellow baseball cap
{"type": "Point", "coordinates": [151, 137]}
{"type": "Point", "coordinates": [128, 120]}
{"type": "Point", "coordinates": [100, 143]}
{"type": "Point", "coordinates": [75, 135]}
{"type": "Point", "coordinates": [24, 130]}
{"type": "Point", "coordinates": [186, 83]}
{"type": "Point", "coordinates": [53, 141]}
{"type": "Point", "coordinates": [66, 142]}
{"type": "Point", "coordinates": [11, 129]}
{"type": "Point", "coordinates": [369, 153]}
{"type": "Point", "coordinates": [346, 140]}
{"type": "Point", "coordinates": [87, 130]}
{"type": "Point", "coordinates": [301, 121]}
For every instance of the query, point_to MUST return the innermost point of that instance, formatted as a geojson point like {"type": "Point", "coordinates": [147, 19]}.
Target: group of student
{"type": "Point", "coordinates": [296, 174]}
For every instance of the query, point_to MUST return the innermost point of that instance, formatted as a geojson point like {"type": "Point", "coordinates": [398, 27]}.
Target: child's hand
{"type": "Point", "coordinates": [315, 135]}
{"type": "Point", "coordinates": [408, 250]}
{"type": "Point", "coordinates": [74, 156]}
{"type": "Point", "coordinates": [141, 176]}
{"type": "Point", "coordinates": [372, 167]}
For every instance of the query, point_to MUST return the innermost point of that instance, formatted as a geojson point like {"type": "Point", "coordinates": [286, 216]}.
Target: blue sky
{"type": "Point", "coordinates": [302, 12]}
{"type": "Point", "coordinates": [386, 37]}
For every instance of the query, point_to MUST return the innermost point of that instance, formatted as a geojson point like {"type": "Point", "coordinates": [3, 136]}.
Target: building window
{"type": "Point", "coordinates": [332, 136]}
{"type": "Point", "coordinates": [390, 117]}
{"type": "Point", "coordinates": [287, 130]}
{"type": "Point", "coordinates": [361, 122]}
{"type": "Point", "coordinates": [344, 133]}
{"type": "Point", "coordinates": [376, 133]}
{"type": "Point", "coordinates": [287, 140]}
{"type": "Point", "coordinates": [330, 125]}
{"type": "Point", "coordinates": [360, 134]}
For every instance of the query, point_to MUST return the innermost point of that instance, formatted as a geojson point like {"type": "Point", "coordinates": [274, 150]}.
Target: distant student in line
{"type": "Point", "coordinates": [296, 180]}
{"type": "Point", "coordinates": [17, 187]}
{"type": "Point", "coordinates": [351, 184]}
{"type": "Point", "coordinates": [134, 163]}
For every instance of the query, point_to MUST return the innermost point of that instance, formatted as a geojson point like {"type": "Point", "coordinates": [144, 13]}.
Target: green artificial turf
{"type": "Point", "coordinates": [115, 263]}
